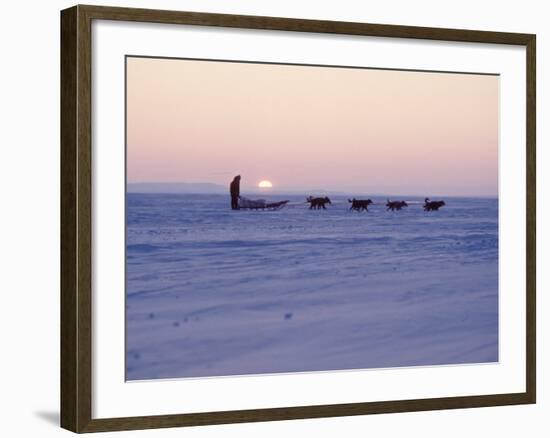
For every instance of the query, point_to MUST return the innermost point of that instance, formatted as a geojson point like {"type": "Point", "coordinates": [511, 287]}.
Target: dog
{"type": "Point", "coordinates": [360, 204]}
{"type": "Point", "coordinates": [432, 205]}
{"type": "Point", "coordinates": [317, 203]}
{"type": "Point", "coordinates": [395, 205]}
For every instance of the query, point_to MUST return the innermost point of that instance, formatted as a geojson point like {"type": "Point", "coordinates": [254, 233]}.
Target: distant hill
{"type": "Point", "coordinates": [212, 188]}
{"type": "Point", "coordinates": [176, 188]}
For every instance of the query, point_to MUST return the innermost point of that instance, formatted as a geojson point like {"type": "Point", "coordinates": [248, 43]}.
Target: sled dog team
{"type": "Point", "coordinates": [316, 203]}
{"type": "Point", "coordinates": [363, 204]}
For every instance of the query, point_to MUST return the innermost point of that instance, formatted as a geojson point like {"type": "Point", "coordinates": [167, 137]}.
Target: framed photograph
{"type": "Point", "coordinates": [271, 218]}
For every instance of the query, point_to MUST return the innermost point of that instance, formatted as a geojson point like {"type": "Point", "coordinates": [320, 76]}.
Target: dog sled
{"type": "Point", "coordinates": [260, 204]}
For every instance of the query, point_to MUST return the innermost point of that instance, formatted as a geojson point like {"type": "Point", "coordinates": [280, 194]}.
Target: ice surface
{"type": "Point", "coordinates": [213, 292]}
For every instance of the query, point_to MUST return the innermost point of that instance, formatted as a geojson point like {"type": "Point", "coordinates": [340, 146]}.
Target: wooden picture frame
{"type": "Point", "coordinates": [76, 218]}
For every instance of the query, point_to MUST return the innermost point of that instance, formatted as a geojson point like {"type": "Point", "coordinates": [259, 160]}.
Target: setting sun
{"type": "Point", "coordinates": [265, 184]}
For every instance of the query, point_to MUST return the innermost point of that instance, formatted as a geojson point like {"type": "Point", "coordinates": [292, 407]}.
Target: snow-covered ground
{"type": "Point", "coordinates": [214, 292]}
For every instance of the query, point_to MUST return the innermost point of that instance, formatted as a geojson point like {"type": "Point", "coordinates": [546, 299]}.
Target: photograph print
{"type": "Point", "coordinates": [287, 218]}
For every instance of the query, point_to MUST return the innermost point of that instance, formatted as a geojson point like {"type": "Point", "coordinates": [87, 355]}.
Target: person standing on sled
{"type": "Point", "coordinates": [235, 190]}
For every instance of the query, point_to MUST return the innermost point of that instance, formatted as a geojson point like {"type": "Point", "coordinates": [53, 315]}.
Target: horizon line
{"type": "Point", "coordinates": [284, 190]}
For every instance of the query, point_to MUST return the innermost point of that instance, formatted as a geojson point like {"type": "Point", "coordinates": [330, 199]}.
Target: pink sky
{"type": "Point", "coordinates": [358, 130]}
